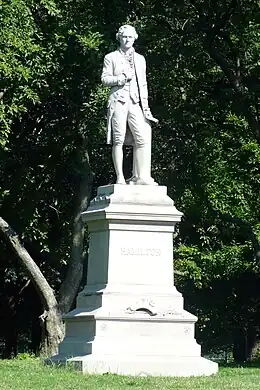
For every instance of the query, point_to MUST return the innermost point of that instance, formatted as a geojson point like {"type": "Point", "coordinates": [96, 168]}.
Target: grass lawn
{"type": "Point", "coordinates": [30, 373]}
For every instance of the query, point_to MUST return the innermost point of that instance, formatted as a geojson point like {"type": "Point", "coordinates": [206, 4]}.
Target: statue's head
{"type": "Point", "coordinates": [126, 36]}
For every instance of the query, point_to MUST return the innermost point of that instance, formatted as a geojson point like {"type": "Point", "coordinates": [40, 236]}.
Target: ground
{"type": "Point", "coordinates": [30, 374]}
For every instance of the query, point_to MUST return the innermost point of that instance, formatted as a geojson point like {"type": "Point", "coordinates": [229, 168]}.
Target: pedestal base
{"type": "Point", "coordinates": [129, 318]}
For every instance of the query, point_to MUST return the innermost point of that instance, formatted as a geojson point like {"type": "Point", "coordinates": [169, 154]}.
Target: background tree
{"type": "Point", "coordinates": [203, 77]}
{"type": "Point", "coordinates": [205, 56]}
{"type": "Point", "coordinates": [46, 156]}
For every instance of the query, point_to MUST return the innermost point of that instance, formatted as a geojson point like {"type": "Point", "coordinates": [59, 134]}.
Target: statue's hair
{"type": "Point", "coordinates": [125, 27]}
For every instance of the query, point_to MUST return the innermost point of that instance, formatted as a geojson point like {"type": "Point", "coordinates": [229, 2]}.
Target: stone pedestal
{"type": "Point", "coordinates": [129, 318]}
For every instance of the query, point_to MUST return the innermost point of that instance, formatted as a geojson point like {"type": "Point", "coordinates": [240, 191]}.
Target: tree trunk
{"type": "Point", "coordinates": [52, 321]}
{"type": "Point", "coordinates": [52, 332]}
{"type": "Point", "coordinates": [70, 286]}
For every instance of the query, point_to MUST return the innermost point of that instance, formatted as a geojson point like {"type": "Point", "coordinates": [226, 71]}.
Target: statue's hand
{"type": "Point", "coordinates": [121, 80]}
{"type": "Point", "coordinates": [153, 119]}
{"type": "Point", "coordinates": [124, 78]}
{"type": "Point", "coordinates": [149, 116]}
{"type": "Point", "coordinates": [128, 76]}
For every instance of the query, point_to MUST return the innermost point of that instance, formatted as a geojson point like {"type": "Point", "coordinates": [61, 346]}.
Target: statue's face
{"type": "Point", "coordinates": [126, 39]}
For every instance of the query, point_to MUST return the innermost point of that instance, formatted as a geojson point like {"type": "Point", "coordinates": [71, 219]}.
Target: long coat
{"type": "Point", "coordinates": [114, 65]}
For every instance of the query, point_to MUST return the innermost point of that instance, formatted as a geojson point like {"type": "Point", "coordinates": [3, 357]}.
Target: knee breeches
{"type": "Point", "coordinates": [128, 113]}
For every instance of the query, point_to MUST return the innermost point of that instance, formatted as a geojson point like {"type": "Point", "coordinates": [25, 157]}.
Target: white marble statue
{"type": "Point", "coordinates": [129, 115]}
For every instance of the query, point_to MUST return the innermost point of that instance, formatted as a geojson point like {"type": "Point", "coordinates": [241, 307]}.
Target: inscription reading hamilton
{"type": "Point", "coordinates": [140, 251]}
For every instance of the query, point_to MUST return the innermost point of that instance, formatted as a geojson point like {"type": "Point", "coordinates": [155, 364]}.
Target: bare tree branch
{"type": "Point", "coordinates": [45, 291]}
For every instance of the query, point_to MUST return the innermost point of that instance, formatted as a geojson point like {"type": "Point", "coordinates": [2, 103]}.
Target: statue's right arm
{"type": "Point", "coordinates": [107, 78]}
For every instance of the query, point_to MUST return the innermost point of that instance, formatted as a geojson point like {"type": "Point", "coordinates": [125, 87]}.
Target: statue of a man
{"type": "Point", "coordinates": [129, 115]}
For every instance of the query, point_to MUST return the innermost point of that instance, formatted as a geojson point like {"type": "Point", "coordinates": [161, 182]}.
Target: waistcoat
{"type": "Point", "coordinates": [131, 88]}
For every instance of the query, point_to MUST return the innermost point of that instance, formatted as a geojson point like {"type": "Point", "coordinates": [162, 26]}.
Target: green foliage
{"type": "Point", "coordinates": [27, 356]}
{"type": "Point", "coordinates": [24, 60]}
{"type": "Point", "coordinates": [205, 267]}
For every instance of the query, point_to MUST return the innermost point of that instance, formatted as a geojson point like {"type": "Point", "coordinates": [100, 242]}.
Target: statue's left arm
{"type": "Point", "coordinates": [147, 112]}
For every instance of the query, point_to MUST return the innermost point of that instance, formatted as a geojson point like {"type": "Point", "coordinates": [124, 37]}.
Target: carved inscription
{"type": "Point", "coordinates": [140, 251]}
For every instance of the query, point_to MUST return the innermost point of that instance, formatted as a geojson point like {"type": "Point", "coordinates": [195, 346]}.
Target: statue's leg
{"type": "Point", "coordinates": [140, 155]}
{"type": "Point", "coordinates": [133, 178]}
{"type": "Point", "coordinates": [148, 151]}
{"type": "Point", "coordinates": [118, 123]}
{"type": "Point", "coordinates": [141, 131]}
{"type": "Point", "coordinates": [117, 156]}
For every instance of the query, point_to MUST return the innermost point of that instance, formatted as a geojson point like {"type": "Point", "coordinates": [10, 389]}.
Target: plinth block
{"type": "Point", "coordinates": [144, 366]}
